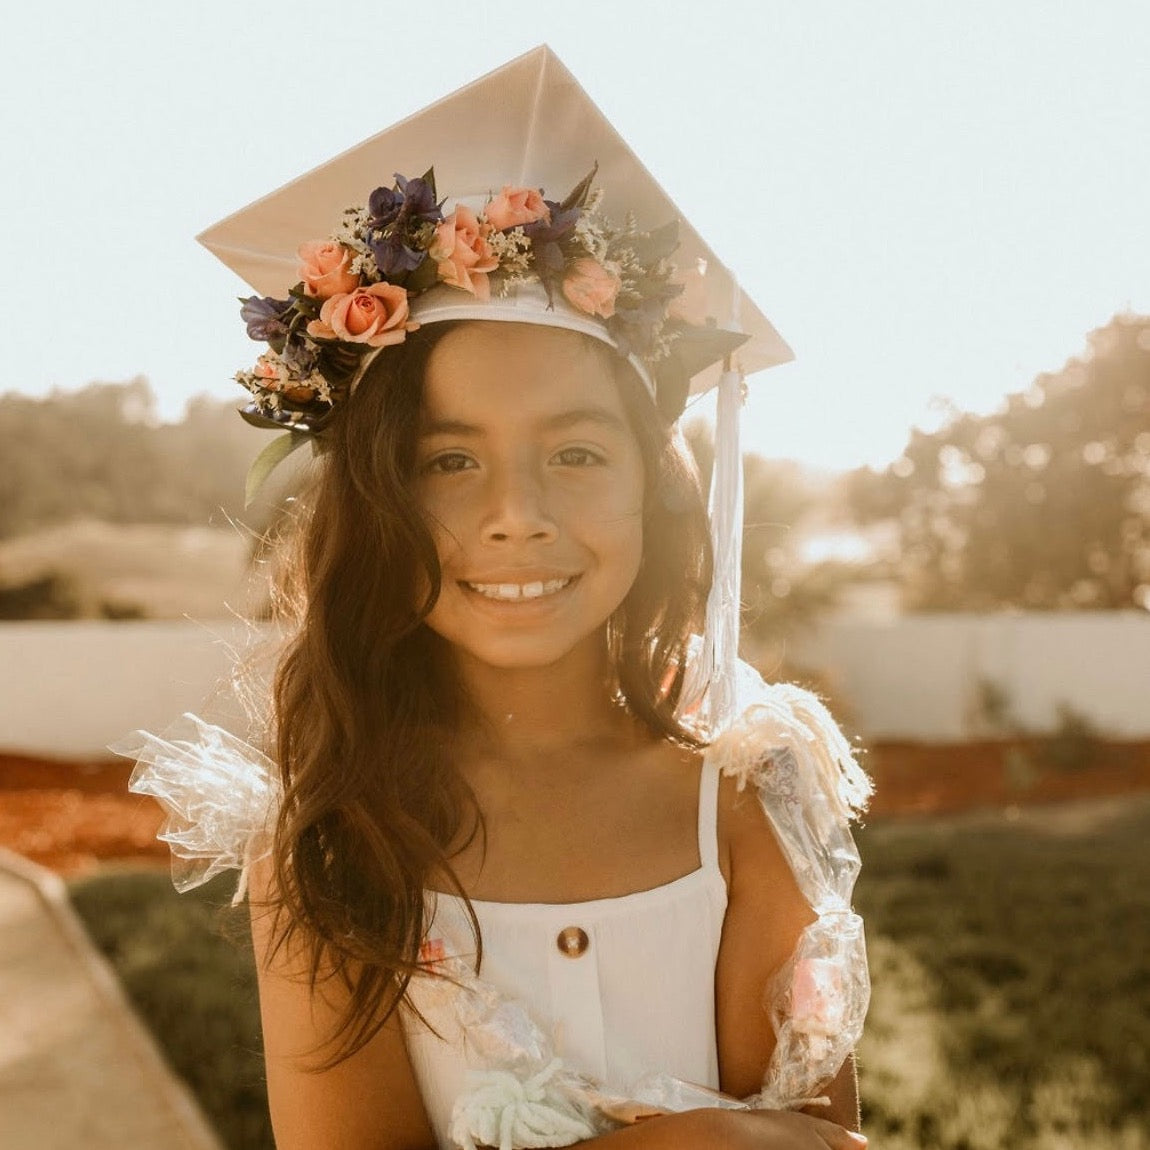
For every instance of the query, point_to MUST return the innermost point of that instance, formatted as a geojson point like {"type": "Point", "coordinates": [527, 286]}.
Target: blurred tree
{"type": "Point", "coordinates": [1042, 505]}
{"type": "Point", "coordinates": [781, 594]}
{"type": "Point", "coordinates": [48, 596]}
{"type": "Point", "coordinates": [101, 452]}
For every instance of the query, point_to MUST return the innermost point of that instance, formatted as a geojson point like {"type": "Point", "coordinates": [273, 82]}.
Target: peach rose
{"type": "Point", "coordinates": [690, 305]}
{"type": "Point", "coordinates": [323, 267]}
{"type": "Point", "coordinates": [461, 251]}
{"type": "Point", "coordinates": [273, 375]}
{"type": "Point", "coordinates": [375, 315]}
{"type": "Point", "coordinates": [271, 372]}
{"type": "Point", "coordinates": [515, 206]}
{"type": "Point", "coordinates": [591, 287]}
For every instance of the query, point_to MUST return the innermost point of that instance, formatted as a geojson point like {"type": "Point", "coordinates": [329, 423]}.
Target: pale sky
{"type": "Point", "coordinates": [927, 199]}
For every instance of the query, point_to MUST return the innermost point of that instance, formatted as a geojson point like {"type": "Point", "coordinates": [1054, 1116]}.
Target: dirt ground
{"type": "Point", "coordinates": [77, 816]}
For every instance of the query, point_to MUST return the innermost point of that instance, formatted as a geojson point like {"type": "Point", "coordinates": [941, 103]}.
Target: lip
{"type": "Point", "coordinates": [520, 575]}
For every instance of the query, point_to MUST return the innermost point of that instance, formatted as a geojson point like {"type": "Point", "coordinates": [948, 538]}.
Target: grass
{"type": "Point", "coordinates": [186, 963]}
{"type": "Point", "coordinates": [1011, 1006]}
{"type": "Point", "coordinates": [1011, 1001]}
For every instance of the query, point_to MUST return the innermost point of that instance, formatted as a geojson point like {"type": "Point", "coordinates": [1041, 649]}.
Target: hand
{"type": "Point", "coordinates": [781, 1130]}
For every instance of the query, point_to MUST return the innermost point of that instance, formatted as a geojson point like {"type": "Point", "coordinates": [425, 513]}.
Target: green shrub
{"type": "Point", "coordinates": [1074, 744]}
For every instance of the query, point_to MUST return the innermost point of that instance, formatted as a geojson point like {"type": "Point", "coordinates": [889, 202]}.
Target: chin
{"type": "Point", "coordinates": [537, 654]}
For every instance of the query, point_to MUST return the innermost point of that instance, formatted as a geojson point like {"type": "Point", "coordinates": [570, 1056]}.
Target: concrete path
{"type": "Point", "coordinates": [77, 1067]}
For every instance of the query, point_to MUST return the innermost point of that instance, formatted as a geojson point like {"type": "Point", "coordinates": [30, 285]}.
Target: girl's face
{"type": "Point", "coordinates": [532, 482]}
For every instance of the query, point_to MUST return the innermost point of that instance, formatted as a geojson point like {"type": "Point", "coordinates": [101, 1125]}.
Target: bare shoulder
{"type": "Point", "coordinates": [752, 860]}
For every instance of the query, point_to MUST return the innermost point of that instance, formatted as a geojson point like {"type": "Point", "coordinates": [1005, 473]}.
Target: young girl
{"type": "Point", "coordinates": [508, 886]}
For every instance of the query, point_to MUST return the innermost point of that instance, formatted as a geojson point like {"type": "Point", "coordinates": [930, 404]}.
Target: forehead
{"type": "Point", "coordinates": [492, 372]}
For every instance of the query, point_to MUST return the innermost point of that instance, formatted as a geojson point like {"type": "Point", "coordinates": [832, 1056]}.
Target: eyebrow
{"type": "Point", "coordinates": [593, 413]}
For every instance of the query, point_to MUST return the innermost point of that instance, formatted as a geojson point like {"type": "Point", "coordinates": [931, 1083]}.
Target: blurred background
{"type": "Point", "coordinates": [943, 208]}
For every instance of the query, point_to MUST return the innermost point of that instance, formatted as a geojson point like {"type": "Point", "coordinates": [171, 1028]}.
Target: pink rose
{"type": "Point", "coordinates": [323, 267]}
{"type": "Point", "coordinates": [817, 999]}
{"type": "Point", "coordinates": [515, 206]}
{"type": "Point", "coordinates": [690, 305]}
{"type": "Point", "coordinates": [375, 315]}
{"type": "Point", "coordinates": [273, 375]}
{"type": "Point", "coordinates": [592, 287]}
{"type": "Point", "coordinates": [460, 249]}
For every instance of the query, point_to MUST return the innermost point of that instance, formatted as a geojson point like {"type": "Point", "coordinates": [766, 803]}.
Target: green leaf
{"type": "Point", "coordinates": [699, 347]}
{"type": "Point", "coordinates": [656, 245]}
{"type": "Point", "coordinates": [305, 305]}
{"type": "Point", "coordinates": [272, 455]}
{"type": "Point", "coordinates": [577, 196]}
{"type": "Point", "coordinates": [425, 276]}
{"type": "Point", "coordinates": [429, 180]}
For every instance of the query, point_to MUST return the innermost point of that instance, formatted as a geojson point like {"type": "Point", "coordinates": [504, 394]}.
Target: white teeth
{"type": "Point", "coordinates": [511, 591]}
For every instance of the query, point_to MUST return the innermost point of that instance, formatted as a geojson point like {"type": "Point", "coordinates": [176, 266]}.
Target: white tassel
{"type": "Point", "coordinates": [709, 695]}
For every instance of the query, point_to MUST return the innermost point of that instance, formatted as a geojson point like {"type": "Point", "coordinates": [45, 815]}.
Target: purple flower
{"type": "Point", "coordinates": [635, 326]}
{"type": "Point", "coordinates": [300, 354]}
{"type": "Point", "coordinates": [547, 235]}
{"type": "Point", "coordinates": [419, 199]}
{"type": "Point", "coordinates": [264, 317]}
{"type": "Point", "coordinates": [395, 214]}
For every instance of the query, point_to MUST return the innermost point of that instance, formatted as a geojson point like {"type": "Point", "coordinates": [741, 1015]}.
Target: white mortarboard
{"type": "Point", "coordinates": [530, 124]}
{"type": "Point", "coordinates": [527, 123]}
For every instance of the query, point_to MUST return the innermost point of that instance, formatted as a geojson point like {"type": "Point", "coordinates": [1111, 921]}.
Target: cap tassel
{"type": "Point", "coordinates": [709, 695]}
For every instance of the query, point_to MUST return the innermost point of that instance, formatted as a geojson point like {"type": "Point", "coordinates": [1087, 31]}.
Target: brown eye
{"type": "Point", "coordinates": [578, 457]}
{"type": "Point", "coordinates": [450, 463]}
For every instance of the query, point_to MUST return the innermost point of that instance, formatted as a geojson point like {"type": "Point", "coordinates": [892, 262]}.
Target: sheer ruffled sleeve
{"type": "Point", "coordinates": [786, 746]}
{"type": "Point", "coordinates": [221, 796]}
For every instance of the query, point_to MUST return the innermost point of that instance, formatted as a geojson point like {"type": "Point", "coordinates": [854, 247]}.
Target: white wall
{"type": "Point", "coordinates": [71, 688]}
{"type": "Point", "coordinates": [918, 677]}
{"type": "Point", "coordinates": [68, 689]}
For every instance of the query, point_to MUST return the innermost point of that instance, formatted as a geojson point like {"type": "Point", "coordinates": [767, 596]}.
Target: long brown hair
{"type": "Point", "coordinates": [365, 700]}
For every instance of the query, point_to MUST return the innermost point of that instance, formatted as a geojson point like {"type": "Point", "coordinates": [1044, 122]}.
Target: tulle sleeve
{"type": "Point", "coordinates": [221, 796]}
{"type": "Point", "coordinates": [786, 746]}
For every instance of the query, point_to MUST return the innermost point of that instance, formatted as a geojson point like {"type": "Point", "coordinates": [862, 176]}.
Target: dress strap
{"type": "Point", "coordinates": [709, 816]}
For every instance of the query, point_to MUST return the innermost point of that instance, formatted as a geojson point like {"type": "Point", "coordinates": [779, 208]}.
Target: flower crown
{"type": "Point", "coordinates": [355, 291]}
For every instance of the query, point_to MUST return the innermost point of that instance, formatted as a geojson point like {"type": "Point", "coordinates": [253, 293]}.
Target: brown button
{"type": "Point", "coordinates": [572, 941]}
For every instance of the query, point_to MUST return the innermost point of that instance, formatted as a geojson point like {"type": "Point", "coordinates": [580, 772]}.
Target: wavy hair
{"type": "Point", "coordinates": [366, 701]}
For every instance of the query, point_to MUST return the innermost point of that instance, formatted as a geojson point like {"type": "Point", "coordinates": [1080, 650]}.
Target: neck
{"type": "Point", "coordinates": [539, 710]}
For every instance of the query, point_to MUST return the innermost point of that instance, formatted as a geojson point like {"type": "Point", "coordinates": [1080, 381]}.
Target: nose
{"type": "Point", "coordinates": [518, 509]}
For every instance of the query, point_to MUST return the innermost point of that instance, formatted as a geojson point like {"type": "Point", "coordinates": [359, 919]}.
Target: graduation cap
{"type": "Point", "coordinates": [526, 125]}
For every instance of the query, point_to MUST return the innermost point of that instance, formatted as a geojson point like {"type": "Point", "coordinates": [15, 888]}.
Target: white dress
{"type": "Point", "coordinates": [622, 986]}
{"type": "Point", "coordinates": [578, 1001]}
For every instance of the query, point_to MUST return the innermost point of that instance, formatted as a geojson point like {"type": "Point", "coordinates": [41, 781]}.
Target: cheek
{"type": "Point", "coordinates": [443, 516]}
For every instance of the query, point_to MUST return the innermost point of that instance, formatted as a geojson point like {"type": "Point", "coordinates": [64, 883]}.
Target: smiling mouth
{"type": "Point", "coordinates": [512, 592]}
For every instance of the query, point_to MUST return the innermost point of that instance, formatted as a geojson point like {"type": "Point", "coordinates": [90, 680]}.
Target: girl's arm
{"type": "Point", "coordinates": [730, 1130]}
{"type": "Point", "coordinates": [766, 913]}
{"type": "Point", "coordinates": [370, 1101]}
